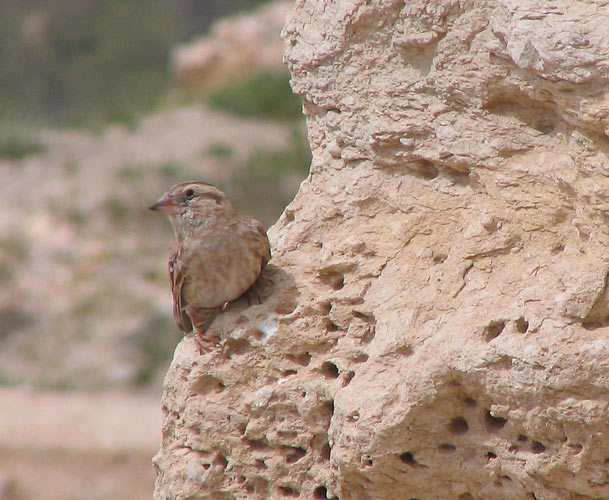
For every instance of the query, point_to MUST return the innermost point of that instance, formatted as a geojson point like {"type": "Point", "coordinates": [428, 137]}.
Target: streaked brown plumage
{"type": "Point", "coordinates": [217, 256]}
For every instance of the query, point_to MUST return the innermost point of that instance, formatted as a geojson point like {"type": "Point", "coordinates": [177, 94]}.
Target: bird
{"type": "Point", "coordinates": [217, 255]}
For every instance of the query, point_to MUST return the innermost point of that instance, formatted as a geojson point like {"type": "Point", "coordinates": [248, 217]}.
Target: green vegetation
{"type": "Point", "coordinates": [71, 167]}
{"type": "Point", "coordinates": [265, 95]}
{"type": "Point", "coordinates": [130, 172]}
{"type": "Point", "coordinates": [220, 150]}
{"type": "Point", "coordinates": [14, 246]}
{"type": "Point", "coordinates": [17, 142]}
{"type": "Point", "coordinates": [91, 62]}
{"type": "Point", "coordinates": [270, 165]}
{"type": "Point", "coordinates": [154, 344]}
{"type": "Point", "coordinates": [117, 209]}
{"type": "Point", "coordinates": [84, 63]}
{"type": "Point", "coordinates": [171, 169]}
{"type": "Point", "coordinates": [256, 184]}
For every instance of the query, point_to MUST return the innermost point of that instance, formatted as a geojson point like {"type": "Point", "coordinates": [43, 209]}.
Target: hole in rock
{"type": "Point", "coordinates": [331, 326]}
{"type": "Point", "coordinates": [325, 451]}
{"type": "Point", "coordinates": [493, 424]}
{"type": "Point", "coordinates": [368, 463]}
{"type": "Point", "coordinates": [287, 491]}
{"type": "Point", "coordinates": [458, 425]}
{"type": "Point", "coordinates": [206, 384]}
{"type": "Point", "coordinates": [348, 378]}
{"type": "Point", "coordinates": [369, 334]}
{"type": "Point", "coordinates": [471, 402]}
{"type": "Point", "coordinates": [365, 317]}
{"type": "Point", "coordinates": [466, 496]}
{"type": "Point", "coordinates": [361, 358]}
{"type": "Point", "coordinates": [522, 438]}
{"type": "Point", "coordinates": [438, 258]}
{"type": "Point", "coordinates": [287, 373]}
{"type": "Point", "coordinates": [321, 492]}
{"type": "Point", "coordinates": [408, 459]}
{"type": "Point", "coordinates": [206, 466]}
{"type": "Point", "coordinates": [260, 464]}
{"type": "Point", "coordinates": [491, 455]}
{"type": "Point", "coordinates": [447, 448]}
{"type": "Point", "coordinates": [289, 215]}
{"type": "Point", "coordinates": [241, 479]}
{"type": "Point", "coordinates": [535, 113]}
{"type": "Point", "coordinates": [329, 369]}
{"type": "Point", "coordinates": [257, 444]}
{"type": "Point", "coordinates": [303, 359]}
{"type": "Point", "coordinates": [328, 407]}
{"type": "Point", "coordinates": [295, 454]}
{"type": "Point", "coordinates": [537, 447]}
{"type": "Point", "coordinates": [333, 278]}
{"type": "Point", "coordinates": [493, 330]}
{"type": "Point", "coordinates": [237, 346]}
{"type": "Point", "coordinates": [522, 325]}
{"type": "Point", "coordinates": [457, 177]}
{"type": "Point", "coordinates": [221, 461]}
{"type": "Point", "coordinates": [558, 249]}
{"type": "Point", "coordinates": [326, 307]}
{"type": "Point", "coordinates": [507, 478]}
{"type": "Point", "coordinates": [424, 168]}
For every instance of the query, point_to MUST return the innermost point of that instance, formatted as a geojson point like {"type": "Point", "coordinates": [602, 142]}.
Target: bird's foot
{"type": "Point", "coordinates": [205, 343]}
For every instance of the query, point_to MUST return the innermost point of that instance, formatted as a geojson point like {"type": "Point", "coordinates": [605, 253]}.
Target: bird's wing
{"type": "Point", "coordinates": [176, 275]}
{"type": "Point", "coordinates": [263, 240]}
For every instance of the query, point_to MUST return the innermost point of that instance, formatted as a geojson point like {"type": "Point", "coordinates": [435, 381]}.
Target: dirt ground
{"type": "Point", "coordinates": [55, 446]}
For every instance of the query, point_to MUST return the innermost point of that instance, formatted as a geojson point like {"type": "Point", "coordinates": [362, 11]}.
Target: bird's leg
{"type": "Point", "coordinates": [205, 343]}
{"type": "Point", "coordinates": [201, 319]}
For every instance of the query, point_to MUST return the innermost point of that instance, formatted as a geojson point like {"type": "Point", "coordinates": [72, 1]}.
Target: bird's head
{"type": "Point", "coordinates": [193, 203]}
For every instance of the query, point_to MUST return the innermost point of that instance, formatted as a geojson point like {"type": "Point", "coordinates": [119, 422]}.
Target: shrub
{"type": "Point", "coordinates": [264, 95]}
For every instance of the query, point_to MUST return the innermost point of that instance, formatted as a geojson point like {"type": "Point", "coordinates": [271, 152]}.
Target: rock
{"type": "Point", "coordinates": [439, 301]}
{"type": "Point", "coordinates": [237, 46]}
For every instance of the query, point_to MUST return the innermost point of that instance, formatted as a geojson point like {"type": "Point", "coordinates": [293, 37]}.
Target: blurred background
{"type": "Point", "coordinates": [104, 104]}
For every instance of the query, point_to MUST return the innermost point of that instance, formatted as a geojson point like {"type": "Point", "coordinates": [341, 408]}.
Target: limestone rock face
{"type": "Point", "coordinates": [437, 325]}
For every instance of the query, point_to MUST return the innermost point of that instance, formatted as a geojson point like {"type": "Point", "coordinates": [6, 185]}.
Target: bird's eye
{"type": "Point", "coordinates": [189, 193]}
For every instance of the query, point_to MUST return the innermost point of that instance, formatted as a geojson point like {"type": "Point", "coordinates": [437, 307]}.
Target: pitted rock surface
{"type": "Point", "coordinates": [437, 325]}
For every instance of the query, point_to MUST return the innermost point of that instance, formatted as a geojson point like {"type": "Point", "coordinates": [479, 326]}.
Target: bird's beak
{"type": "Point", "coordinates": [166, 204]}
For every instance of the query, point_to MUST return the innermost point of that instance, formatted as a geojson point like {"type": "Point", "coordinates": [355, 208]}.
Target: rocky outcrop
{"type": "Point", "coordinates": [437, 325]}
{"type": "Point", "coordinates": [236, 47]}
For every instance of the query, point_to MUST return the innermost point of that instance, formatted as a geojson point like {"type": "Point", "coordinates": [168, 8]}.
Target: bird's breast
{"type": "Point", "coordinates": [219, 268]}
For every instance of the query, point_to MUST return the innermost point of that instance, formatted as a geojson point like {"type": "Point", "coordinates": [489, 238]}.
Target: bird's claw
{"type": "Point", "coordinates": [206, 343]}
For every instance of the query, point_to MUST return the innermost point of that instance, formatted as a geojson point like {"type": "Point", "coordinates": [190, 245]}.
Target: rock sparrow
{"type": "Point", "coordinates": [217, 256]}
